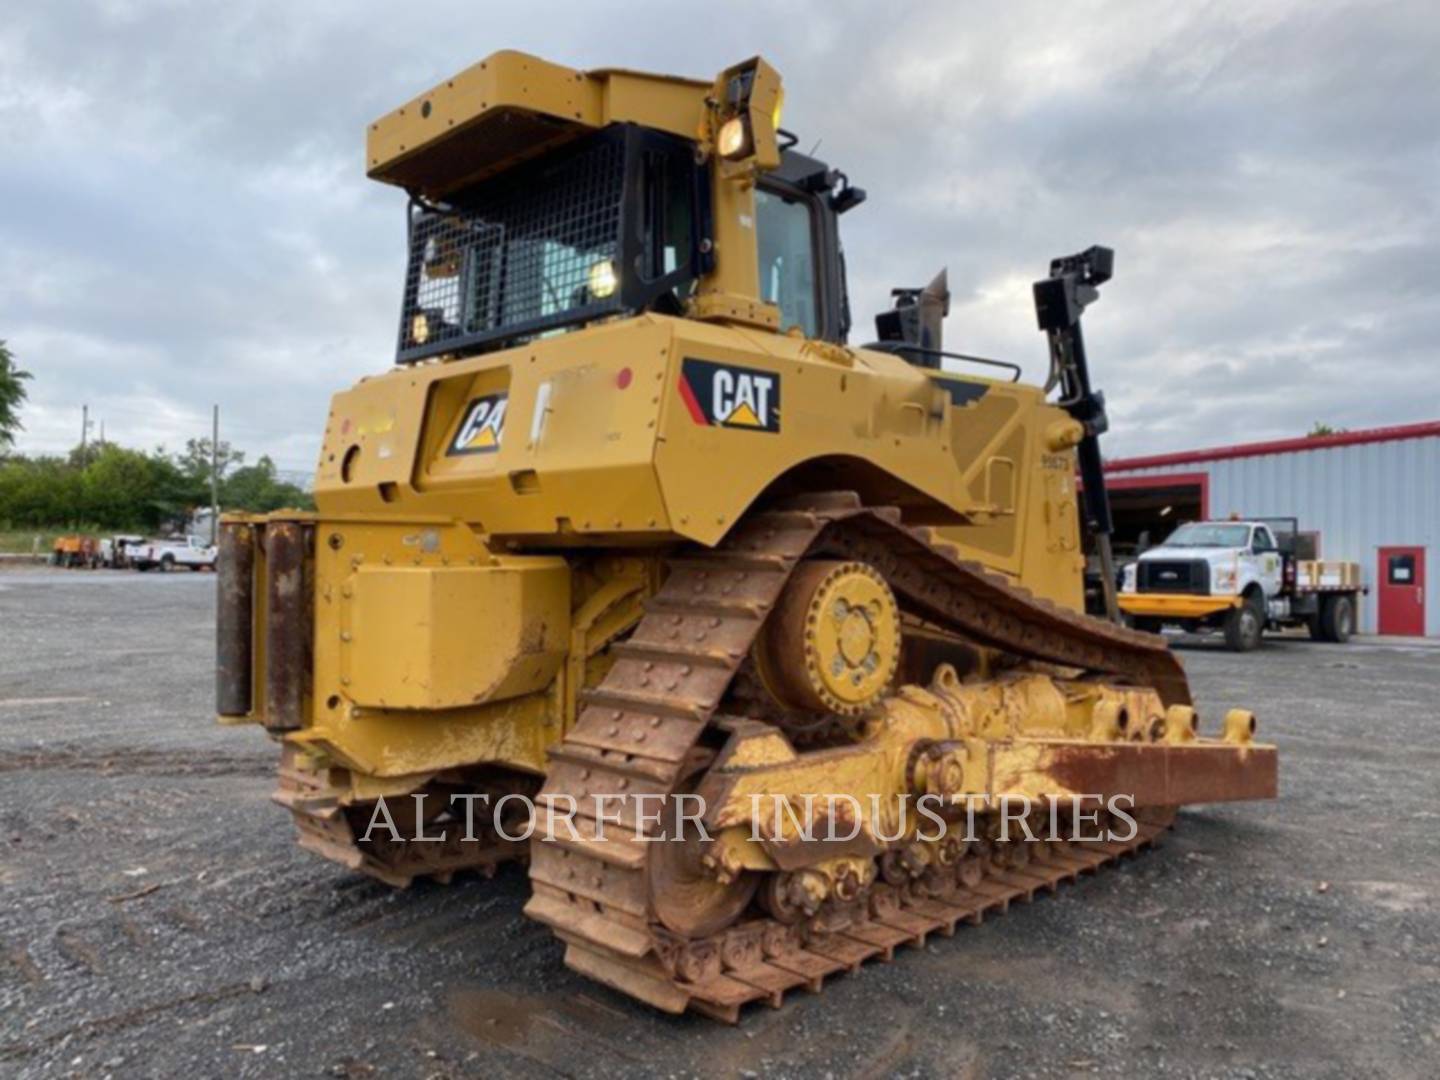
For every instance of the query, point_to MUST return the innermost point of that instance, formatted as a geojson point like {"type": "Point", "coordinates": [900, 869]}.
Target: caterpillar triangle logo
{"type": "Point", "coordinates": [743, 415]}
{"type": "Point", "coordinates": [481, 429]}
{"type": "Point", "coordinates": [726, 395]}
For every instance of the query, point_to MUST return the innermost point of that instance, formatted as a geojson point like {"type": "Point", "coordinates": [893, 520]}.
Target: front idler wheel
{"type": "Point", "coordinates": [687, 891]}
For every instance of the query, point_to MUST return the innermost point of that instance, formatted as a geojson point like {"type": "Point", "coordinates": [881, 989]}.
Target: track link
{"type": "Point", "coordinates": [639, 733]}
{"type": "Point", "coordinates": [325, 827]}
{"type": "Point", "coordinates": [762, 960]}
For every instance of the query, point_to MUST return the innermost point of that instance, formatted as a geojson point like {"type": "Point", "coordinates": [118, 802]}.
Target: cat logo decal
{"type": "Point", "coordinates": [483, 426]}
{"type": "Point", "coordinates": [725, 395]}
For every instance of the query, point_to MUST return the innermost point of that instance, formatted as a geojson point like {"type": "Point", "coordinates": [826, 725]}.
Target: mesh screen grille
{"type": "Point", "coordinates": [1173, 576]}
{"type": "Point", "coordinates": [520, 257]}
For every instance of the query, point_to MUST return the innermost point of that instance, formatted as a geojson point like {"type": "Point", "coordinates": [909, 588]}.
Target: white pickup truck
{"type": "Point", "coordinates": [191, 551]}
{"type": "Point", "coordinates": [1240, 577]}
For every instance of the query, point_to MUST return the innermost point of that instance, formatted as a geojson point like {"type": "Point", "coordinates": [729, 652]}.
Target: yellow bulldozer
{"type": "Point", "coordinates": [764, 652]}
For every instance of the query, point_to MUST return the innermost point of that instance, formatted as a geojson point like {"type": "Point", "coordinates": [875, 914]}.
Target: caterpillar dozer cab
{"type": "Point", "coordinates": [634, 570]}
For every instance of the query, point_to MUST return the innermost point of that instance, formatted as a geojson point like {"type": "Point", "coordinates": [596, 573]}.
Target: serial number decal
{"type": "Point", "coordinates": [726, 395]}
{"type": "Point", "coordinates": [483, 426]}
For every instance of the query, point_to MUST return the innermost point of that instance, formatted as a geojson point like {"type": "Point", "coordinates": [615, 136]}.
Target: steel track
{"type": "Point", "coordinates": [639, 733]}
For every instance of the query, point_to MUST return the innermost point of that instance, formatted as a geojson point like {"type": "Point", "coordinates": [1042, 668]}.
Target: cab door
{"type": "Point", "coordinates": [787, 247]}
{"type": "Point", "coordinates": [802, 267]}
{"type": "Point", "coordinates": [1269, 566]}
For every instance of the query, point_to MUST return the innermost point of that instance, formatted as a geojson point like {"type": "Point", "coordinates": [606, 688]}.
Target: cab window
{"type": "Point", "coordinates": [1263, 540]}
{"type": "Point", "coordinates": [665, 230]}
{"type": "Point", "coordinates": [787, 260]}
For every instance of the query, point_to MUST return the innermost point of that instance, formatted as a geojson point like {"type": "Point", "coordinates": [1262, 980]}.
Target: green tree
{"type": "Point", "coordinates": [1320, 428]}
{"type": "Point", "coordinates": [257, 488]}
{"type": "Point", "coordinates": [12, 396]}
{"type": "Point", "coordinates": [173, 492]}
{"type": "Point", "coordinates": [124, 488]}
{"type": "Point", "coordinates": [121, 488]}
{"type": "Point", "coordinates": [194, 460]}
{"type": "Point", "coordinates": [39, 491]}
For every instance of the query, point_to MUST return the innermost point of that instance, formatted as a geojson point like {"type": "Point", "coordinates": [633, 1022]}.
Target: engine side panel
{"type": "Point", "coordinates": [649, 430]}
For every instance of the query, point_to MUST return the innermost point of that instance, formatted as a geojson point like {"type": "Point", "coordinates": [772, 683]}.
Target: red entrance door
{"type": "Point", "coordinates": [1402, 591]}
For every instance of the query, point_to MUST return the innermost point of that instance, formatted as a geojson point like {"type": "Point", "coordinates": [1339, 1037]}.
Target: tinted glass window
{"type": "Point", "coordinates": [787, 260]}
{"type": "Point", "coordinates": [665, 196]}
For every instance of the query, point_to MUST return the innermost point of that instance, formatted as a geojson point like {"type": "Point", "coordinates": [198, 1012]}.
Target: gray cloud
{"type": "Point", "coordinates": [184, 217]}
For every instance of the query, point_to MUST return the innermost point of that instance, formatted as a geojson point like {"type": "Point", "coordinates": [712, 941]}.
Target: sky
{"type": "Point", "coordinates": [184, 217]}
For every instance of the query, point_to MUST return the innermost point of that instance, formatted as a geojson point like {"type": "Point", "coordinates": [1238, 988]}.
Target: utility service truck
{"type": "Point", "coordinates": [1240, 577]}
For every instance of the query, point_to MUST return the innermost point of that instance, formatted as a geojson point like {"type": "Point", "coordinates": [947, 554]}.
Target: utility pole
{"type": "Point", "coordinates": [84, 460]}
{"type": "Point", "coordinates": [215, 477]}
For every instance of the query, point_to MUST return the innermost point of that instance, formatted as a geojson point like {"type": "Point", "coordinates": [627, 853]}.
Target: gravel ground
{"type": "Point", "coordinates": [157, 918]}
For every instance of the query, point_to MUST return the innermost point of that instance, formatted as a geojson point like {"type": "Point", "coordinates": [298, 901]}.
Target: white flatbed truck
{"type": "Point", "coordinates": [1240, 578]}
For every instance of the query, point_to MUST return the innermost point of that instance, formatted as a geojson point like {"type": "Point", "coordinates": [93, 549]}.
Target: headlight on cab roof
{"type": "Point", "coordinates": [733, 140]}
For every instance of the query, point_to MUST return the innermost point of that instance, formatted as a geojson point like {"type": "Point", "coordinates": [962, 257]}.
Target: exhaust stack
{"type": "Point", "coordinates": [917, 320]}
